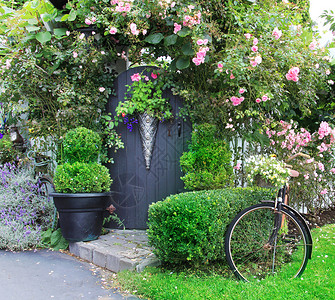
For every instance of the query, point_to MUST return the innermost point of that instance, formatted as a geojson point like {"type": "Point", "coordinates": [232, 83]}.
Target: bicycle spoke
{"type": "Point", "coordinates": [257, 250]}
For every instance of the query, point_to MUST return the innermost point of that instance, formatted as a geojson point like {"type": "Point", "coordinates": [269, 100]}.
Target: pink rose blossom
{"type": "Point", "coordinates": [331, 82]}
{"type": "Point", "coordinates": [241, 91]}
{"type": "Point", "coordinates": [324, 130]}
{"type": "Point", "coordinates": [238, 166]}
{"type": "Point", "coordinates": [258, 59]}
{"type": "Point", "coordinates": [202, 42]}
{"type": "Point", "coordinates": [231, 76]}
{"type": "Point", "coordinates": [253, 63]}
{"type": "Point", "coordinates": [101, 89]}
{"type": "Point", "coordinates": [332, 170]}
{"type": "Point", "coordinates": [327, 72]}
{"type": "Point", "coordinates": [177, 28]}
{"type": "Point", "coordinates": [265, 98]}
{"type": "Point", "coordinates": [277, 33]}
{"type": "Point", "coordinates": [75, 54]}
{"type": "Point", "coordinates": [247, 36]}
{"type": "Point", "coordinates": [255, 41]}
{"type": "Point", "coordinates": [324, 191]}
{"type": "Point", "coordinates": [254, 48]}
{"type": "Point", "coordinates": [154, 76]}
{"type": "Point", "coordinates": [136, 77]}
{"type": "Point", "coordinates": [258, 100]}
{"type": "Point", "coordinates": [220, 65]}
{"type": "Point", "coordinates": [134, 30]}
{"type": "Point", "coordinates": [236, 101]}
{"type": "Point", "coordinates": [321, 167]}
{"type": "Point", "coordinates": [88, 21]}
{"type": "Point", "coordinates": [113, 30]}
{"type": "Point", "coordinates": [313, 45]}
{"type": "Point", "coordinates": [293, 74]}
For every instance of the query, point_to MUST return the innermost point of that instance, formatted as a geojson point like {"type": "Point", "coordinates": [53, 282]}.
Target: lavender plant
{"type": "Point", "coordinates": [24, 212]}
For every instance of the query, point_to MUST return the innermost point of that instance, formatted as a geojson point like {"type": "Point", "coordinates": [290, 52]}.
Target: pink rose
{"type": "Point", "coordinates": [177, 28]}
{"type": "Point", "coordinates": [313, 45]}
{"type": "Point", "coordinates": [277, 33]}
{"type": "Point", "coordinates": [113, 30]}
{"type": "Point", "coordinates": [255, 41]}
{"type": "Point", "coordinates": [265, 98]}
{"type": "Point", "coordinates": [154, 76]}
{"type": "Point", "coordinates": [241, 91]}
{"type": "Point", "coordinates": [247, 36]}
{"type": "Point", "coordinates": [258, 100]}
{"type": "Point", "coordinates": [136, 77]}
{"type": "Point", "coordinates": [254, 48]}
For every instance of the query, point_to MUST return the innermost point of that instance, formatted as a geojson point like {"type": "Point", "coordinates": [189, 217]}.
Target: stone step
{"type": "Point", "coordinates": [118, 250]}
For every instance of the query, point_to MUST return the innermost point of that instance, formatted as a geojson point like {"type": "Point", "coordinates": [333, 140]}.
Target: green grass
{"type": "Point", "coordinates": [317, 282]}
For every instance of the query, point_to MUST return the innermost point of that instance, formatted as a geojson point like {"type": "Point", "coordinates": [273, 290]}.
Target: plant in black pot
{"type": "Point", "coordinates": [82, 186]}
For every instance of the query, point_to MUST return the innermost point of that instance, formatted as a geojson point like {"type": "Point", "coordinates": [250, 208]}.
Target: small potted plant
{"type": "Point", "coordinates": [82, 186]}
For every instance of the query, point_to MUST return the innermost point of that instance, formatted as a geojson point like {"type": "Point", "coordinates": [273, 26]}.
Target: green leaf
{"type": "Point", "coordinates": [33, 21]}
{"type": "Point", "coordinates": [183, 63]}
{"type": "Point", "coordinates": [187, 49]}
{"type": "Point", "coordinates": [46, 17]}
{"type": "Point", "coordinates": [43, 37]}
{"type": "Point", "coordinates": [72, 15]}
{"type": "Point", "coordinates": [34, 4]}
{"type": "Point", "coordinates": [60, 31]}
{"type": "Point", "coordinates": [184, 32]}
{"type": "Point", "coordinates": [154, 38]}
{"type": "Point", "coordinates": [170, 40]}
{"type": "Point", "coordinates": [32, 28]}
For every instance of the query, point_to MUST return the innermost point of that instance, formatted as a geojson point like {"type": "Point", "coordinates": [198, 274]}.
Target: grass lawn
{"type": "Point", "coordinates": [317, 282]}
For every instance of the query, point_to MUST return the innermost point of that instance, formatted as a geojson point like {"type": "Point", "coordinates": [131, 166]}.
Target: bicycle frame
{"type": "Point", "coordinates": [282, 201]}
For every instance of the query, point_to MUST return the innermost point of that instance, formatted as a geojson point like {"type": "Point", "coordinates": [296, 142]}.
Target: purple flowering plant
{"type": "Point", "coordinates": [24, 212]}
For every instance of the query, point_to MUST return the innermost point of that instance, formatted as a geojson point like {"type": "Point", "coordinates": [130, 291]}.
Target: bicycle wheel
{"type": "Point", "coordinates": [255, 249]}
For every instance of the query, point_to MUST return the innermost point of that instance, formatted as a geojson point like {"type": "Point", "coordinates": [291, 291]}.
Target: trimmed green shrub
{"type": "Point", "coordinates": [190, 227]}
{"type": "Point", "coordinates": [81, 144]}
{"type": "Point", "coordinates": [207, 164]}
{"type": "Point", "coordinates": [82, 177]}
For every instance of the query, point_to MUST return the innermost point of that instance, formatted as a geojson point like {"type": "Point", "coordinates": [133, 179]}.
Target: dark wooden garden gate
{"type": "Point", "coordinates": [135, 187]}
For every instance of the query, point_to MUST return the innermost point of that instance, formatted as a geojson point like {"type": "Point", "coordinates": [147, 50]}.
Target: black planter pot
{"type": "Point", "coordinates": [81, 215]}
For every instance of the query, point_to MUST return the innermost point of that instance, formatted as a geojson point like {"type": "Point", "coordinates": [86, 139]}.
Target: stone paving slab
{"type": "Point", "coordinates": [118, 250]}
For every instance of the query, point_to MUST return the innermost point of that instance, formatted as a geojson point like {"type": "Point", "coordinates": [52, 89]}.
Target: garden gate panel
{"type": "Point", "coordinates": [134, 186]}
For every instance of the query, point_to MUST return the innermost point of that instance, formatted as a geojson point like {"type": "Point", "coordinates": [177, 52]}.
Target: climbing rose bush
{"type": "Point", "coordinates": [315, 185]}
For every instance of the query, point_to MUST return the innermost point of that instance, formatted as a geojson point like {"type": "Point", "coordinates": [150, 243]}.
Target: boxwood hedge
{"type": "Point", "coordinates": [190, 227]}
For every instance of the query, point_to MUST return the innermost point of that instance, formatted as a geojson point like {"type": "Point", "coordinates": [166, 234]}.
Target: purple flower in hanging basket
{"type": "Point", "coordinates": [129, 122]}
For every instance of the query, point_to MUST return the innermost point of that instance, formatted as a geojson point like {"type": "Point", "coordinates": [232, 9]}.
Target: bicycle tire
{"type": "Point", "coordinates": [248, 252]}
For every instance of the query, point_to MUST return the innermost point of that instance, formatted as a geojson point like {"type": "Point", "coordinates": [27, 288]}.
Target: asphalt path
{"type": "Point", "coordinates": [46, 274]}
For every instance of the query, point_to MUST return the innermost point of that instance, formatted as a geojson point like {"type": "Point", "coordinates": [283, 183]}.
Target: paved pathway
{"type": "Point", "coordinates": [45, 274]}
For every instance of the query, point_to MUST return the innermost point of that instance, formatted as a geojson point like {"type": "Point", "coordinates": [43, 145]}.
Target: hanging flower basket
{"type": "Point", "coordinates": [148, 126]}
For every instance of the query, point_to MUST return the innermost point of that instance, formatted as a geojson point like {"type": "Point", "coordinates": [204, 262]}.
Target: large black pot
{"type": "Point", "coordinates": [81, 215]}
